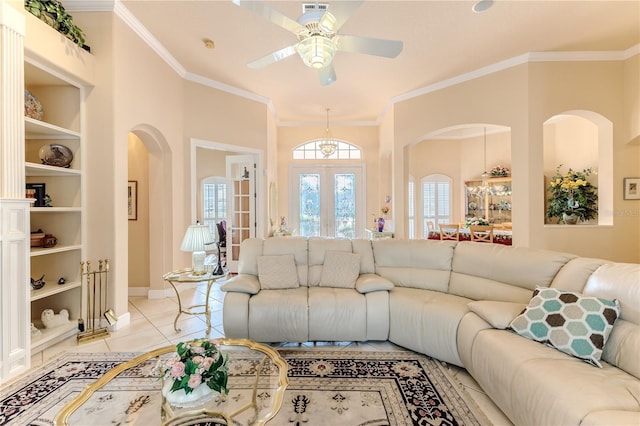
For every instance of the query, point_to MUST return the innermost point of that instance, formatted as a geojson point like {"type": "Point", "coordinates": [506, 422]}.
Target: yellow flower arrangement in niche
{"type": "Point", "coordinates": [572, 194]}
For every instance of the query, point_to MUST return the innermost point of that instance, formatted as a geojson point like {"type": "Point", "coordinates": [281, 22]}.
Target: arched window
{"type": "Point", "coordinates": [311, 151]}
{"type": "Point", "coordinates": [436, 200]}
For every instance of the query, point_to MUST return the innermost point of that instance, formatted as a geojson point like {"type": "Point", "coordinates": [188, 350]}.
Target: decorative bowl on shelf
{"type": "Point", "coordinates": [36, 239]}
{"type": "Point", "coordinates": [56, 155]}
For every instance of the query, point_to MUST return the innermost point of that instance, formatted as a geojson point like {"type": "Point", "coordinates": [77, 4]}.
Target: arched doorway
{"type": "Point", "coordinates": [150, 235]}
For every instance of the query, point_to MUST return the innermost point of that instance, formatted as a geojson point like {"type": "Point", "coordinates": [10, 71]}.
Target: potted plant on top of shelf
{"type": "Point", "coordinates": [572, 198]}
{"type": "Point", "coordinates": [53, 14]}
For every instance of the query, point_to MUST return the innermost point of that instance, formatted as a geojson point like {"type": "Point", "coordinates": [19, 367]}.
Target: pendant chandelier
{"type": "Point", "coordinates": [328, 146]}
{"type": "Point", "coordinates": [484, 189]}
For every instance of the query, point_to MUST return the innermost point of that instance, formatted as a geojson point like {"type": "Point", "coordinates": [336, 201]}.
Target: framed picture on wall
{"type": "Point", "coordinates": [132, 199]}
{"type": "Point", "coordinates": [632, 188]}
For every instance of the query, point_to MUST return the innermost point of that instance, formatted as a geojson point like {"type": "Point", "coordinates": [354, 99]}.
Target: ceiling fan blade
{"type": "Point", "coordinates": [337, 14]}
{"type": "Point", "coordinates": [276, 56]}
{"type": "Point", "coordinates": [327, 75]}
{"type": "Point", "coordinates": [370, 46]}
{"type": "Point", "coordinates": [262, 9]}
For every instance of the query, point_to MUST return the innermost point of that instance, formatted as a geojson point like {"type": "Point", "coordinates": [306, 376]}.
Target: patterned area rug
{"type": "Point", "coordinates": [326, 388]}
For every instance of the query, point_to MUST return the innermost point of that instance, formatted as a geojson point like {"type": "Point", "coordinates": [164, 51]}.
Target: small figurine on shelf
{"type": "Point", "coordinates": [35, 331]}
{"type": "Point", "coordinates": [50, 320]}
{"type": "Point", "coordinates": [37, 284]}
{"type": "Point", "coordinates": [380, 224]}
{"type": "Point", "coordinates": [47, 201]}
{"type": "Point", "coordinates": [62, 281]}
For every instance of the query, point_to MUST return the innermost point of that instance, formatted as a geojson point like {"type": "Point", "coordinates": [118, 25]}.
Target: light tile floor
{"type": "Point", "coordinates": [152, 327]}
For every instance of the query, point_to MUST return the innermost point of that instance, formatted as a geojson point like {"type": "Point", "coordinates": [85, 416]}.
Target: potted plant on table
{"type": "Point", "coordinates": [572, 197]}
{"type": "Point", "coordinates": [194, 373]}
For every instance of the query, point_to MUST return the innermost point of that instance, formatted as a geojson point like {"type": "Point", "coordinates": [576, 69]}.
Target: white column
{"type": "Point", "coordinates": [15, 343]}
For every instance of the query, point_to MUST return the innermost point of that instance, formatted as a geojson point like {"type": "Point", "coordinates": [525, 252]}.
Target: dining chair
{"type": "Point", "coordinates": [430, 226]}
{"type": "Point", "coordinates": [449, 231]}
{"type": "Point", "coordinates": [481, 233]}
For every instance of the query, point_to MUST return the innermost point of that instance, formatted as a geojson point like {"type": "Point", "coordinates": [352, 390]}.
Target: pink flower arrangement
{"type": "Point", "coordinates": [194, 363]}
{"type": "Point", "coordinates": [500, 171]}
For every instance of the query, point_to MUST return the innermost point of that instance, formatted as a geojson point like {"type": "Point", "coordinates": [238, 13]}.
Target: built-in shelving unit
{"type": "Point", "coordinates": [61, 101]}
{"type": "Point", "coordinates": [489, 198]}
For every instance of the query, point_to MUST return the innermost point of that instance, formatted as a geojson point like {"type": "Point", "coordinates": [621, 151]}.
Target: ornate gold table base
{"type": "Point", "coordinates": [185, 276]}
{"type": "Point", "coordinates": [171, 417]}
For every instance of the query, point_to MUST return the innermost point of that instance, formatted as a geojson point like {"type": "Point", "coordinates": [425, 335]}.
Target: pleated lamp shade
{"type": "Point", "coordinates": [195, 240]}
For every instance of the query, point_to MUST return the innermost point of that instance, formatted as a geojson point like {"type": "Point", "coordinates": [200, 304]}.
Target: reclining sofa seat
{"type": "Point", "coordinates": [310, 312]}
{"type": "Point", "coordinates": [434, 281]}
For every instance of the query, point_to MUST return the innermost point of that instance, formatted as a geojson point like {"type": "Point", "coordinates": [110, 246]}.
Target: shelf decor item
{"type": "Point", "coordinates": [32, 106]}
{"type": "Point", "coordinates": [56, 155]}
{"type": "Point", "coordinates": [475, 221]}
{"type": "Point", "coordinates": [195, 373]}
{"type": "Point", "coordinates": [500, 171]}
{"type": "Point", "coordinates": [38, 192]}
{"type": "Point", "coordinates": [572, 194]}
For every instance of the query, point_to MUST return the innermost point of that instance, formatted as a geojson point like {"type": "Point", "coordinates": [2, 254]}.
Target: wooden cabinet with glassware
{"type": "Point", "coordinates": [53, 169]}
{"type": "Point", "coordinates": [489, 198]}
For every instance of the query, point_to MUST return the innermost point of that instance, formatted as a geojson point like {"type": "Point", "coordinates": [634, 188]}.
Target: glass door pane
{"type": "Point", "coordinates": [329, 202]}
{"type": "Point", "coordinates": [309, 218]}
{"type": "Point", "coordinates": [344, 209]}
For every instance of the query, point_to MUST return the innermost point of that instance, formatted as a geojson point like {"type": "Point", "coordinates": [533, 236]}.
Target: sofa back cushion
{"type": "Point", "coordinates": [620, 281]}
{"type": "Point", "coordinates": [365, 250]}
{"type": "Point", "coordinates": [340, 269]}
{"type": "Point", "coordinates": [424, 264]}
{"type": "Point", "coordinates": [496, 272]}
{"type": "Point", "coordinates": [574, 275]}
{"type": "Point", "coordinates": [251, 248]}
{"type": "Point", "coordinates": [277, 272]}
{"type": "Point", "coordinates": [318, 246]}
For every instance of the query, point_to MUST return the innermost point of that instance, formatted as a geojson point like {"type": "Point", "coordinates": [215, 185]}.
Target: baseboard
{"type": "Point", "coordinates": [138, 291]}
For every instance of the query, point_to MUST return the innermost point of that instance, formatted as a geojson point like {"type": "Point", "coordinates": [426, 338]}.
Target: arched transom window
{"type": "Point", "coordinates": [311, 151]}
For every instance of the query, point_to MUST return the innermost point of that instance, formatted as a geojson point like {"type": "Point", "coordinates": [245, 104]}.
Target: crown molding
{"type": "Point", "coordinates": [196, 78]}
{"type": "Point", "coordinates": [121, 11]}
{"type": "Point", "coordinates": [88, 5]}
{"type": "Point", "coordinates": [614, 55]}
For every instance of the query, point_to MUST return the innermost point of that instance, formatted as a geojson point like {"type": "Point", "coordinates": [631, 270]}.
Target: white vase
{"type": "Point", "coordinates": [570, 219]}
{"type": "Point", "coordinates": [180, 398]}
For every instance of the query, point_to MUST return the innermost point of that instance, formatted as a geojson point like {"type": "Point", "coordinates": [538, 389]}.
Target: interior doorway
{"type": "Point", "coordinates": [245, 200]}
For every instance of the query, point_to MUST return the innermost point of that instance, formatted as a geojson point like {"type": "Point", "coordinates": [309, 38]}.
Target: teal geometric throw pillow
{"type": "Point", "coordinates": [570, 322]}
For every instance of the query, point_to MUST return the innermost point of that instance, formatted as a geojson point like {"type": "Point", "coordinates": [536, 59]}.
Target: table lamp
{"type": "Point", "coordinates": [195, 239]}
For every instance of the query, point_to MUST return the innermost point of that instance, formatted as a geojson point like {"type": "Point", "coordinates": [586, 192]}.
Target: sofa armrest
{"type": "Point", "coordinates": [372, 282]}
{"type": "Point", "coordinates": [242, 283]}
{"type": "Point", "coordinates": [498, 314]}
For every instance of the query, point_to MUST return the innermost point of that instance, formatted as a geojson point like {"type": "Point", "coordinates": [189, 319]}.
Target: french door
{"type": "Point", "coordinates": [241, 205]}
{"type": "Point", "coordinates": [327, 201]}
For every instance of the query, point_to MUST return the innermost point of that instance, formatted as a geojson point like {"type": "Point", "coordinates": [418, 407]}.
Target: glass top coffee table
{"type": "Point", "coordinates": [257, 381]}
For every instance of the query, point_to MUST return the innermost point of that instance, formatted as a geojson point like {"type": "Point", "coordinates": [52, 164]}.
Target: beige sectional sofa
{"type": "Point", "coordinates": [455, 302]}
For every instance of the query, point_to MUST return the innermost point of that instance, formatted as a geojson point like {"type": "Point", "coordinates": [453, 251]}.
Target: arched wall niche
{"type": "Point", "coordinates": [581, 139]}
{"type": "Point", "coordinates": [458, 152]}
{"type": "Point", "coordinates": [160, 217]}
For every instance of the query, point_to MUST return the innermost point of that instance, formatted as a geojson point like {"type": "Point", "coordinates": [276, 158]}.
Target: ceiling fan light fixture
{"type": "Point", "coordinates": [316, 51]}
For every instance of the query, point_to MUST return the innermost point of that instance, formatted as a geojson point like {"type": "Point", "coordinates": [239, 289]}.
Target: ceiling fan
{"type": "Point", "coordinates": [318, 38]}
